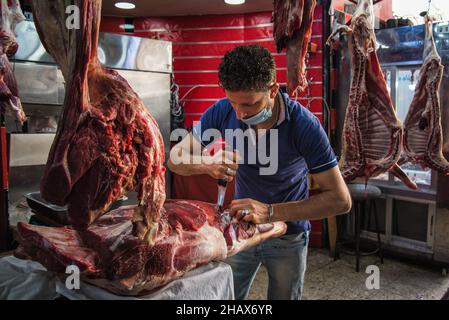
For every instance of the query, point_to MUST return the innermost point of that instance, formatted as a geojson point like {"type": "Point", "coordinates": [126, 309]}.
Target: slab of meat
{"type": "Point", "coordinates": [10, 16]}
{"type": "Point", "coordinates": [423, 138]}
{"type": "Point", "coordinates": [107, 142]}
{"type": "Point", "coordinates": [372, 133]}
{"type": "Point", "coordinates": [110, 256]}
{"type": "Point", "coordinates": [287, 18]}
{"type": "Point", "coordinates": [292, 30]}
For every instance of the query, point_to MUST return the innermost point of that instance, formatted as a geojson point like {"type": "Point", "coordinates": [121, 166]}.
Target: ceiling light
{"type": "Point", "coordinates": [126, 26]}
{"type": "Point", "coordinates": [234, 1]}
{"type": "Point", "coordinates": [125, 5]}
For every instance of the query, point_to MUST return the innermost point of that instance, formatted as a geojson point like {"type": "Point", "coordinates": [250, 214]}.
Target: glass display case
{"type": "Point", "coordinates": [406, 80]}
{"type": "Point", "coordinates": [401, 83]}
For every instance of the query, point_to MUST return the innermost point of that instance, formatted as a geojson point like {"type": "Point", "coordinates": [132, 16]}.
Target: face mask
{"type": "Point", "coordinates": [259, 118]}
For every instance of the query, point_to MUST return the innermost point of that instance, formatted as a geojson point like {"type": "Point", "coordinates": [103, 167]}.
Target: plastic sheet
{"type": "Point", "coordinates": [26, 280]}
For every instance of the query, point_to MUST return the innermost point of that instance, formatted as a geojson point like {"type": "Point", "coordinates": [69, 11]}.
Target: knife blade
{"type": "Point", "coordinates": [222, 186]}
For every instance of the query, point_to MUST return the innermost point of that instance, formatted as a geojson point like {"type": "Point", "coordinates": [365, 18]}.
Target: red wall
{"type": "Point", "coordinates": [199, 43]}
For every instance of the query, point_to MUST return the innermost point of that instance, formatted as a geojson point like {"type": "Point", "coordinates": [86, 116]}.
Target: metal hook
{"type": "Point", "coordinates": [426, 13]}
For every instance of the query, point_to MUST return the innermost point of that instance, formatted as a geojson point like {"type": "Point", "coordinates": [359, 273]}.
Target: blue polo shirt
{"type": "Point", "coordinates": [302, 148]}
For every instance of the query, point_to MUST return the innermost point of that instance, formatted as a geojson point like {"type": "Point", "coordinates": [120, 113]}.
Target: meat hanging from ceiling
{"type": "Point", "coordinates": [10, 16]}
{"type": "Point", "coordinates": [107, 144]}
{"type": "Point", "coordinates": [292, 29]}
{"type": "Point", "coordinates": [372, 133]}
{"type": "Point", "coordinates": [423, 138]}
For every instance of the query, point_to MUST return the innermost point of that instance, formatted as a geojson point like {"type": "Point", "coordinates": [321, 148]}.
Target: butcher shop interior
{"type": "Point", "coordinates": [224, 150]}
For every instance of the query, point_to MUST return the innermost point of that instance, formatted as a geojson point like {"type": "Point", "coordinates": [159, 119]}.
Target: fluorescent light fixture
{"type": "Point", "coordinates": [125, 5]}
{"type": "Point", "coordinates": [234, 1]}
{"type": "Point", "coordinates": [126, 26]}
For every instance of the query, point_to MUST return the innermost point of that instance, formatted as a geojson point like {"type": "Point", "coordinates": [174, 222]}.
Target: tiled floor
{"type": "Point", "coordinates": [337, 280]}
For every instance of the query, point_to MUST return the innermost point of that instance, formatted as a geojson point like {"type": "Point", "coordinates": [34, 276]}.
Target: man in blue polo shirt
{"type": "Point", "coordinates": [275, 143]}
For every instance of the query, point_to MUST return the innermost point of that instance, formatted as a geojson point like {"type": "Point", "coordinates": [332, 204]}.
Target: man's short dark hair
{"type": "Point", "coordinates": [247, 68]}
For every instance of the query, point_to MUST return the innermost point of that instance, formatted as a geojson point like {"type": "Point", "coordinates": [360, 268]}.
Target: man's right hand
{"type": "Point", "coordinates": [214, 162]}
{"type": "Point", "coordinates": [223, 164]}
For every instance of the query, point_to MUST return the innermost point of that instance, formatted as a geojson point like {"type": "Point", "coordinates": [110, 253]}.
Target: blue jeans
{"type": "Point", "coordinates": [285, 259]}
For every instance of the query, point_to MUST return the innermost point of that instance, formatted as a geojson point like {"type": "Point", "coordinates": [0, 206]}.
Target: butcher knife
{"type": "Point", "coordinates": [222, 185]}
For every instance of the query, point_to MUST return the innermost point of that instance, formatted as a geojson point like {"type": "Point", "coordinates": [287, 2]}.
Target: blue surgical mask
{"type": "Point", "coordinates": [259, 118]}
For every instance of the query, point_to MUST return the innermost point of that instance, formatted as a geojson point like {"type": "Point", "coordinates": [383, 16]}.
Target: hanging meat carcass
{"type": "Point", "coordinates": [107, 144]}
{"type": "Point", "coordinates": [10, 16]}
{"type": "Point", "coordinates": [372, 133]}
{"type": "Point", "coordinates": [423, 138]}
{"type": "Point", "coordinates": [292, 28]}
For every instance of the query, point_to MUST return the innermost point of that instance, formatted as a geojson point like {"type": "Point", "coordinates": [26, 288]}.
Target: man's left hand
{"type": "Point", "coordinates": [257, 212]}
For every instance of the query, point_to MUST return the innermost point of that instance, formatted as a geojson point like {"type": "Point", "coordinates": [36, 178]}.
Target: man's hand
{"type": "Point", "coordinates": [223, 164]}
{"type": "Point", "coordinates": [257, 211]}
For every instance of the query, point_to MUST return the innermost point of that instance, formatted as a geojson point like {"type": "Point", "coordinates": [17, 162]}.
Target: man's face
{"type": "Point", "coordinates": [248, 103]}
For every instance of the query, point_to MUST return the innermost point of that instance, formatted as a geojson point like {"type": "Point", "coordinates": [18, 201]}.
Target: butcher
{"type": "Point", "coordinates": [255, 106]}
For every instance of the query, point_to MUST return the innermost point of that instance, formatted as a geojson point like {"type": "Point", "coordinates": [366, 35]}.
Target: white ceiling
{"type": "Point", "coordinates": [153, 8]}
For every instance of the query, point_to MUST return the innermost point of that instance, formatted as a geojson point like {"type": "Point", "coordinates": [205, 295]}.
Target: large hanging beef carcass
{"type": "Point", "coordinates": [292, 28]}
{"type": "Point", "coordinates": [10, 16]}
{"type": "Point", "coordinates": [372, 133]}
{"type": "Point", "coordinates": [423, 138]}
{"type": "Point", "coordinates": [107, 144]}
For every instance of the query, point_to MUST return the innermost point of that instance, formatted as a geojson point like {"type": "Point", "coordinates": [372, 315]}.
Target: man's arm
{"type": "Point", "coordinates": [334, 199]}
{"type": "Point", "coordinates": [187, 159]}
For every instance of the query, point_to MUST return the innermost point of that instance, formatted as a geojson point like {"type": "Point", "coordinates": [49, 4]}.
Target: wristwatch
{"type": "Point", "coordinates": [270, 212]}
